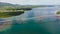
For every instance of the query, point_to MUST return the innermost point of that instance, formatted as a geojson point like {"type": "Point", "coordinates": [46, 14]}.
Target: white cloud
{"type": "Point", "coordinates": [33, 2]}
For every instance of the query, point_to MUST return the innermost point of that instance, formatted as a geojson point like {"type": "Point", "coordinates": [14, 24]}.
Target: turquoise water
{"type": "Point", "coordinates": [30, 27]}
{"type": "Point", "coordinates": [35, 25]}
{"type": "Point", "coordinates": [47, 25]}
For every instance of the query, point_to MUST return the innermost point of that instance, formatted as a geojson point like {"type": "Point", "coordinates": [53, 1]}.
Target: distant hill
{"type": "Point", "coordinates": [7, 4]}
{"type": "Point", "coordinates": [23, 6]}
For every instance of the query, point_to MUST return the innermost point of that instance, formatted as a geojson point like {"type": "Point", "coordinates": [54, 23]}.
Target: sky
{"type": "Point", "coordinates": [33, 2]}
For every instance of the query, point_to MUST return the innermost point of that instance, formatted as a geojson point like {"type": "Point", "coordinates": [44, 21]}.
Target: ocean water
{"type": "Point", "coordinates": [47, 25]}
{"type": "Point", "coordinates": [36, 21]}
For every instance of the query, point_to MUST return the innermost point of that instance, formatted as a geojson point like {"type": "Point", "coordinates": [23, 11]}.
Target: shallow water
{"type": "Point", "coordinates": [31, 23]}
{"type": "Point", "coordinates": [46, 25]}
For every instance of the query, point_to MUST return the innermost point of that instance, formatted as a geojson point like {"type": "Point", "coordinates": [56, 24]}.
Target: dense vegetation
{"type": "Point", "coordinates": [58, 12]}
{"type": "Point", "coordinates": [8, 10]}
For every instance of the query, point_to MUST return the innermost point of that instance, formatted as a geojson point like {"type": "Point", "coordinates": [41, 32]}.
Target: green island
{"type": "Point", "coordinates": [58, 13]}
{"type": "Point", "coordinates": [10, 11]}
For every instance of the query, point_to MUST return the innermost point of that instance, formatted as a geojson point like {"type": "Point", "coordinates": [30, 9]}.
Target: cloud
{"type": "Point", "coordinates": [33, 2]}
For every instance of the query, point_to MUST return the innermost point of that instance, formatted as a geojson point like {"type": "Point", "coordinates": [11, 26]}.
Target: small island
{"type": "Point", "coordinates": [58, 13]}
{"type": "Point", "coordinates": [10, 11]}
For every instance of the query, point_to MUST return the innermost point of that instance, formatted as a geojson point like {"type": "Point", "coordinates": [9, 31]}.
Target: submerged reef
{"type": "Point", "coordinates": [5, 25]}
